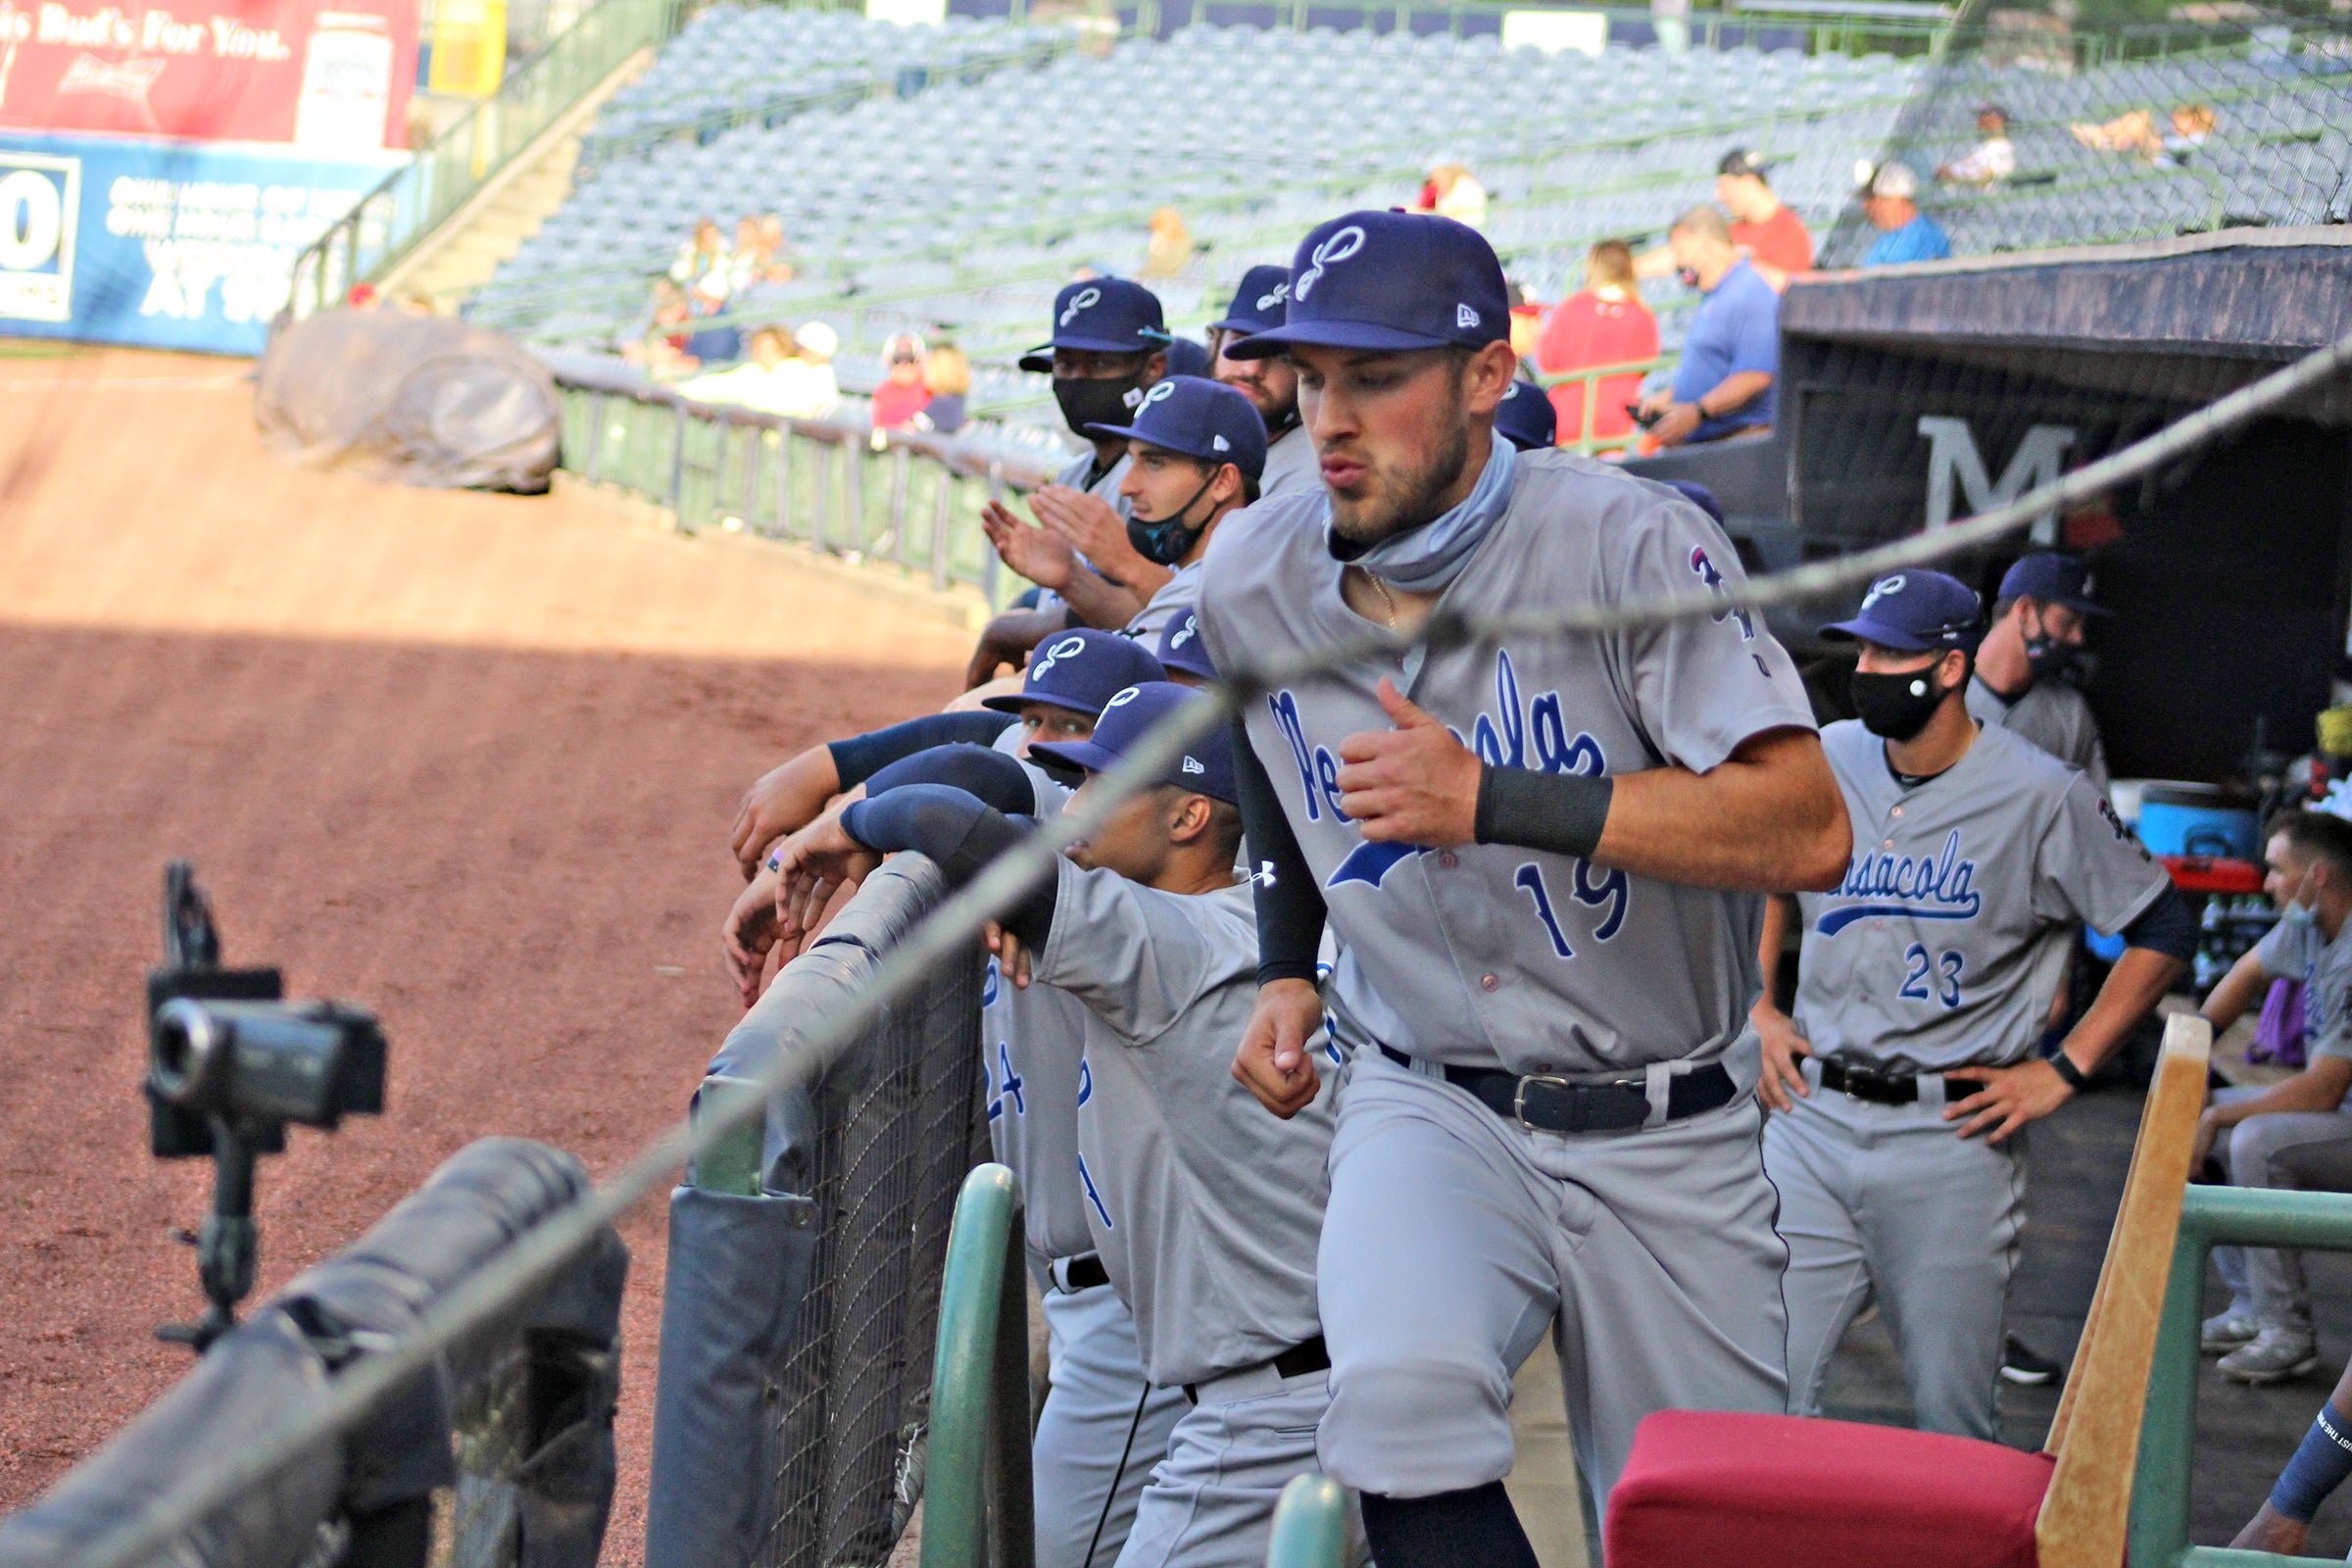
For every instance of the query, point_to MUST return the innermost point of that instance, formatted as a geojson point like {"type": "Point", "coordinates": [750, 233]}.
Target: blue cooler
{"type": "Point", "coordinates": [2214, 820]}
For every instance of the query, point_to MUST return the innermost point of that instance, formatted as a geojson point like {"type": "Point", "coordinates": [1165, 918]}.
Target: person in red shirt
{"type": "Point", "coordinates": [903, 394]}
{"type": "Point", "coordinates": [1773, 238]}
{"type": "Point", "coordinates": [1603, 323]}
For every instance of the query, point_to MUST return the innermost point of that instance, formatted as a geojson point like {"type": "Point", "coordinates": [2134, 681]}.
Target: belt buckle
{"type": "Point", "coordinates": [1548, 1080]}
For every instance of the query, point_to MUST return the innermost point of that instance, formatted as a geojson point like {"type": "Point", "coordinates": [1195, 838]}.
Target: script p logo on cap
{"type": "Point", "coordinates": [1084, 299]}
{"type": "Point", "coordinates": [1880, 590]}
{"type": "Point", "coordinates": [1389, 283]}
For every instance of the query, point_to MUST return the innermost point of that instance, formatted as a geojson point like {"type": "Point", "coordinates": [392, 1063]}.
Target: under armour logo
{"type": "Point", "coordinates": [1043, 664]}
{"type": "Point", "coordinates": [1464, 316]}
{"type": "Point", "coordinates": [1336, 248]}
{"type": "Point", "coordinates": [1160, 393]}
{"type": "Point", "coordinates": [1085, 299]}
{"type": "Point", "coordinates": [1280, 294]}
{"type": "Point", "coordinates": [1880, 589]}
{"type": "Point", "coordinates": [1123, 698]}
{"type": "Point", "coordinates": [1263, 876]}
{"type": "Point", "coordinates": [1193, 766]}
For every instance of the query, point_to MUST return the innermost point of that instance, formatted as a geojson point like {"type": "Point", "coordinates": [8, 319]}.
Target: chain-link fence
{"type": "Point", "coordinates": [2026, 138]}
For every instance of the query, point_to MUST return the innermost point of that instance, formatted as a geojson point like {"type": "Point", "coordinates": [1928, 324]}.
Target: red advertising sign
{"type": "Point", "coordinates": [330, 81]}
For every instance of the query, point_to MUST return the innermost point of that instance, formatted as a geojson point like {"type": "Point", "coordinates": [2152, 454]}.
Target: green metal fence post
{"type": "Point", "coordinates": [976, 1487]}
{"type": "Point", "coordinates": [2168, 1422]}
{"type": "Point", "coordinates": [1311, 1525]}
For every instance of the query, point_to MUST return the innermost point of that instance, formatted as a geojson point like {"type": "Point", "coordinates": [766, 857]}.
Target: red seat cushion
{"type": "Point", "coordinates": [1705, 1488]}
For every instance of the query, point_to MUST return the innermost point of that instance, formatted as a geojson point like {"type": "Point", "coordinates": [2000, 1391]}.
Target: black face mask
{"type": "Point", "coordinates": [1167, 541]}
{"type": "Point", "coordinates": [1088, 399]}
{"type": "Point", "coordinates": [2046, 656]}
{"type": "Point", "coordinates": [1896, 707]}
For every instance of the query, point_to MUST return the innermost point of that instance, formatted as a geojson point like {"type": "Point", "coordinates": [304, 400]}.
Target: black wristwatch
{"type": "Point", "coordinates": [2074, 1075]}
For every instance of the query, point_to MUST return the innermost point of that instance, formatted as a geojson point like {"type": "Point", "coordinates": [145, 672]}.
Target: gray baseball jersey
{"type": "Point", "coordinates": [1206, 1210]}
{"type": "Point", "coordinates": [1944, 943]}
{"type": "Point", "coordinates": [2053, 715]}
{"type": "Point", "coordinates": [1290, 464]}
{"type": "Point", "coordinates": [1030, 1042]}
{"type": "Point", "coordinates": [1179, 593]}
{"type": "Point", "coordinates": [1494, 953]}
{"type": "Point", "coordinates": [2297, 950]}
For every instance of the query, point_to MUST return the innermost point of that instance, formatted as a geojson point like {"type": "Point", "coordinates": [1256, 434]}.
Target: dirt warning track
{"type": "Point", "coordinates": [467, 759]}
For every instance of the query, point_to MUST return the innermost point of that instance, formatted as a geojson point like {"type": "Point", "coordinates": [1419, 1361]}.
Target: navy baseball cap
{"type": "Point", "coordinates": [1080, 669]}
{"type": "Point", "coordinates": [1392, 282]}
{"type": "Point", "coordinates": [1103, 315]}
{"type": "Point", "coordinates": [1180, 646]}
{"type": "Point", "coordinates": [1187, 358]}
{"type": "Point", "coordinates": [1526, 416]}
{"type": "Point", "coordinates": [2054, 578]}
{"type": "Point", "coordinates": [1205, 767]}
{"type": "Point", "coordinates": [1200, 419]}
{"type": "Point", "coordinates": [1258, 303]}
{"type": "Point", "coordinates": [1915, 612]}
{"type": "Point", "coordinates": [1700, 497]}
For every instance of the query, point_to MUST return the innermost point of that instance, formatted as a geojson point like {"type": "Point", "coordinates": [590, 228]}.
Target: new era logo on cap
{"type": "Point", "coordinates": [1335, 249]}
{"type": "Point", "coordinates": [1192, 764]}
{"type": "Point", "coordinates": [1464, 315]}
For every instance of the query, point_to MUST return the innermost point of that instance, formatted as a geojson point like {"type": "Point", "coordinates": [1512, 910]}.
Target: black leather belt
{"type": "Point", "coordinates": [1295, 1362]}
{"type": "Point", "coordinates": [1890, 1088]}
{"type": "Point", "coordinates": [1081, 1273]}
{"type": "Point", "coordinates": [1560, 1104]}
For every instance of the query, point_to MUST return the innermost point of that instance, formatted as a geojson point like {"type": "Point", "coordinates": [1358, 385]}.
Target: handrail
{"type": "Point", "coordinates": [1587, 444]}
{"type": "Point", "coordinates": [976, 1484]}
{"type": "Point", "coordinates": [2210, 1217]}
{"type": "Point", "coordinates": [1311, 1525]}
{"type": "Point", "coordinates": [390, 220]}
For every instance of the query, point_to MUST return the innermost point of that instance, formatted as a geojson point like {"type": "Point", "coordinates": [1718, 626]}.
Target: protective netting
{"type": "Point", "coordinates": [851, 1401]}
{"type": "Point", "coordinates": [2143, 134]}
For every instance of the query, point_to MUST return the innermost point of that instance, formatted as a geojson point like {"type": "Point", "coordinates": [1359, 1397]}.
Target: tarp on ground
{"type": "Point", "coordinates": [419, 400]}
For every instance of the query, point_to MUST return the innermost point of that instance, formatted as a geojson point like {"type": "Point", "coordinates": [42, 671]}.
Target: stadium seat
{"type": "Point", "coordinates": [1703, 1488]}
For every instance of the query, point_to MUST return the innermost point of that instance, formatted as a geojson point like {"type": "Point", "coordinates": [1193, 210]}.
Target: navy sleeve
{"type": "Point", "coordinates": [959, 833]}
{"type": "Point", "coordinates": [980, 770]}
{"type": "Point", "coordinates": [2166, 926]}
{"type": "Point", "coordinates": [1289, 906]}
{"type": "Point", "coordinates": [861, 756]}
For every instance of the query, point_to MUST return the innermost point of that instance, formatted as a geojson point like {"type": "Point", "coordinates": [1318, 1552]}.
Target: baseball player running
{"type": "Point", "coordinates": [1908, 1072]}
{"type": "Point", "coordinates": [1541, 857]}
{"type": "Point", "coordinates": [1270, 384]}
{"type": "Point", "coordinates": [1110, 346]}
{"type": "Point", "coordinates": [1203, 1211]}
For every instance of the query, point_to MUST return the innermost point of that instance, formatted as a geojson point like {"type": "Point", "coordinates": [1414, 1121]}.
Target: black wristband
{"type": "Point", "coordinates": [2074, 1075]}
{"type": "Point", "coordinates": [1559, 813]}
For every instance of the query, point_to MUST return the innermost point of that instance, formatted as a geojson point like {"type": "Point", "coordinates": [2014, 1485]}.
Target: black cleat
{"type": "Point", "coordinates": [2021, 1366]}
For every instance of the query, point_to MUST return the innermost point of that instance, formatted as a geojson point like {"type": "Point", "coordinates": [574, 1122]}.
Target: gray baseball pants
{"type": "Point", "coordinates": [1101, 1430]}
{"type": "Point", "coordinates": [1211, 1502]}
{"type": "Point", "coordinates": [1455, 1239]}
{"type": "Point", "coordinates": [2311, 1150]}
{"type": "Point", "coordinates": [1890, 1201]}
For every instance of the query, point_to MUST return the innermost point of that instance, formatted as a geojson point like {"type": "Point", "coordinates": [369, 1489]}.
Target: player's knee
{"type": "Point", "coordinates": [2254, 1147]}
{"type": "Point", "coordinates": [1416, 1421]}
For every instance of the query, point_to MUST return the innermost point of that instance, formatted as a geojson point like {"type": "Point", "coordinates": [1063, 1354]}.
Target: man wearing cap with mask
{"type": "Point", "coordinates": [1905, 233]}
{"type": "Point", "coordinates": [1204, 1210]}
{"type": "Point", "coordinates": [1270, 384]}
{"type": "Point", "coordinates": [1908, 1072]}
{"type": "Point", "coordinates": [1110, 345]}
{"type": "Point", "coordinates": [1541, 857]}
{"type": "Point", "coordinates": [2038, 627]}
{"type": "Point", "coordinates": [1723, 385]}
{"type": "Point", "coordinates": [1195, 449]}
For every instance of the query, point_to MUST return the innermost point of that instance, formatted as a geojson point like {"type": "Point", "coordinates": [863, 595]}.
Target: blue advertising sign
{"type": "Point", "coordinates": [163, 244]}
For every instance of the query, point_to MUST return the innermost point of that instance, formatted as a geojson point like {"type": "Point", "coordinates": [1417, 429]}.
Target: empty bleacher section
{"type": "Point", "coordinates": [2265, 135]}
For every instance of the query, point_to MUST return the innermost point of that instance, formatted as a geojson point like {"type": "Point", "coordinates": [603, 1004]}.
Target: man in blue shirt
{"type": "Point", "coordinates": [1733, 350]}
{"type": "Point", "coordinates": [1905, 233]}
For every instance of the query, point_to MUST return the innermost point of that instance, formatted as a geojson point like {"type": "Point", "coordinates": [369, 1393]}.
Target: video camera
{"type": "Point", "coordinates": [230, 1064]}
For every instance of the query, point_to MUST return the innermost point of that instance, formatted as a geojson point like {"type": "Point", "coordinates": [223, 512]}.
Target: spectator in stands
{"type": "Point", "coordinates": [2136, 132]}
{"type": "Point", "coordinates": [662, 352]}
{"type": "Point", "coordinates": [1170, 250]}
{"type": "Point", "coordinates": [1905, 233]}
{"type": "Point", "coordinates": [1527, 326]}
{"type": "Point", "coordinates": [1605, 323]}
{"type": "Point", "coordinates": [817, 343]}
{"type": "Point", "coordinates": [778, 256]}
{"type": "Point", "coordinates": [1453, 192]}
{"type": "Point", "coordinates": [1270, 384]}
{"type": "Point", "coordinates": [1992, 160]}
{"type": "Point", "coordinates": [948, 375]}
{"type": "Point", "coordinates": [775, 379]}
{"type": "Point", "coordinates": [903, 394]}
{"type": "Point", "coordinates": [1770, 236]}
{"type": "Point", "coordinates": [2298, 1133]}
{"type": "Point", "coordinates": [1724, 385]}
{"type": "Point", "coordinates": [701, 267]}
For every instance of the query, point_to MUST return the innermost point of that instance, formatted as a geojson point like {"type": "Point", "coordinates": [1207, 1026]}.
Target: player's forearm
{"type": "Point", "coordinates": [1096, 601]}
{"type": "Point", "coordinates": [1768, 820]}
{"type": "Point", "coordinates": [2319, 1087]}
{"type": "Point", "coordinates": [1290, 906]}
{"type": "Point", "coordinates": [2133, 987]}
{"type": "Point", "coordinates": [1734, 393]}
{"type": "Point", "coordinates": [1779, 913]}
{"type": "Point", "coordinates": [2246, 983]}
{"type": "Point", "coordinates": [959, 834]}
{"type": "Point", "coordinates": [857, 759]}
